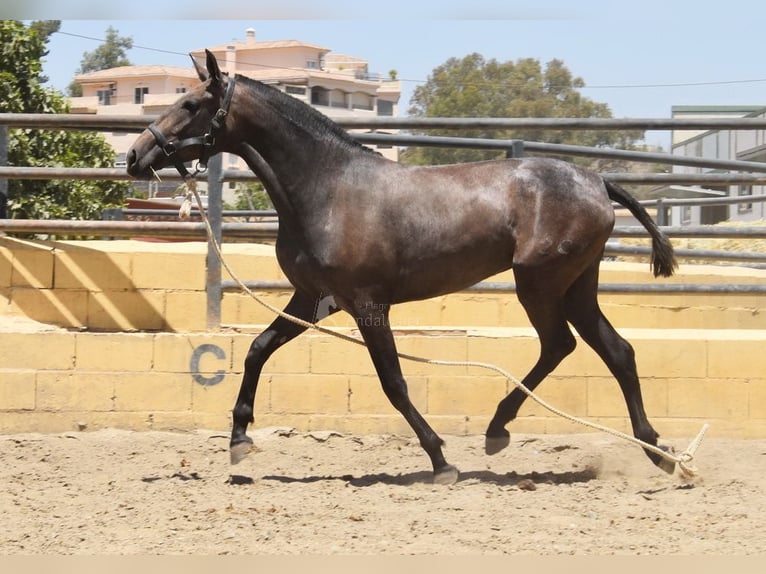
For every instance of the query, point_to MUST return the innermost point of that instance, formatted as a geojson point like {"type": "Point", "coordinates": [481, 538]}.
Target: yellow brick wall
{"type": "Point", "coordinates": [138, 286]}
{"type": "Point", "coordinates": [58, 381]}
{"type": "Point", "coordinates": [154, 366]}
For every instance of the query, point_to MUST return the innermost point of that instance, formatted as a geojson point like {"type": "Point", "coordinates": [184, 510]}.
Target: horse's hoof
{"type": "Point", "coordinates": [239, 451]}
{"type": "Point", "coordinates": [494, 444]}
{"type": "Point", "coordinates": [664, 464]}
{"type": "Point", "coordinates": [447, 475]}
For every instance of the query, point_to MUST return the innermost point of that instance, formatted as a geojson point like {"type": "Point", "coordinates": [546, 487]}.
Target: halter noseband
{"type": "Point", "coordinates": [170, 148]}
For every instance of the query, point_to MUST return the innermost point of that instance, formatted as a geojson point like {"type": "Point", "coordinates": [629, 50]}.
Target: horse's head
{"type": "Point", "coordinates": [189, 129]}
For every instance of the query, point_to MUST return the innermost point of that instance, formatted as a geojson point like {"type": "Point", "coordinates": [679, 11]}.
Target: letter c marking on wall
{"type": "Point", "coordinates": [196, 357]}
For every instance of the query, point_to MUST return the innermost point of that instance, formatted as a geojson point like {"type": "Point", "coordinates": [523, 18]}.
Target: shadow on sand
{"type": "Point", "coordinates": [425, 477]}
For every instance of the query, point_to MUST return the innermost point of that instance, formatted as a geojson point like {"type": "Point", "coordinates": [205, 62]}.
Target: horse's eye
{"type": "Point", "coordinates": [191, 106]}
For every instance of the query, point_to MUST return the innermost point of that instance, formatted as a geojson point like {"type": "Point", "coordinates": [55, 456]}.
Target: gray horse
{"type": "Point", "coordinates": [370, 233]}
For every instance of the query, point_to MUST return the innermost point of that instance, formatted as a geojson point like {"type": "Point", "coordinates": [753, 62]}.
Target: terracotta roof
{"type": "Point", "coordinates": [270, 75]}
{"type": "Point", "coordinates": [126, 71]}
{"type": "Point", "coordinates": [300, 76]}
{"type": "Point", "coordinates": [243, 45]}
{"type": "Point", "coordinates": [332, 57]}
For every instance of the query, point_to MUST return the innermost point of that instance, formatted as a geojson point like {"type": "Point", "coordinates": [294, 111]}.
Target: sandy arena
{"type": "Point", "coordinates": [121, 492]}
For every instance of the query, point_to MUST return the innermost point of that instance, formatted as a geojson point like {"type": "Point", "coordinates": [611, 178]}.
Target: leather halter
{"type": "Point", "coordinates": [207, 140]}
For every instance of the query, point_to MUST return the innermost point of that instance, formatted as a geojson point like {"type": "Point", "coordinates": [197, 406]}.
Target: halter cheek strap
{"type": "Point", "coordinates": [206, 141]}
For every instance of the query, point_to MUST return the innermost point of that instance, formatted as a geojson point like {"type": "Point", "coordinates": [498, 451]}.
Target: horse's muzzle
{"type": "Point", "coordinates": [133, 165]}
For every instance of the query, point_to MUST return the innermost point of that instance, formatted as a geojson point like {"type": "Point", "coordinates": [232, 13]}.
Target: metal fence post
{"type": "Point", "coordinates": [3, 181]}
{"type": "Point", "coordinates": [662, 213]}
{"type": "Point", "coordinates": [213, 286]}
{"type": "Point", "coordinates": [517, 149]}
{"type": "Point", "coordinates": [111, 214]}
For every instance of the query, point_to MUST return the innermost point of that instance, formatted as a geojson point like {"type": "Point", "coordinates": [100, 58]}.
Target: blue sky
{"type": "Point", "coordinates": [640, 58]}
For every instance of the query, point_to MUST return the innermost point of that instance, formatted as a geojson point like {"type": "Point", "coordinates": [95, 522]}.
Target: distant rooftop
{"type": "Point", "coordinates": [127, 71]}
{"type": "Point", "coordinates": [250, 43]}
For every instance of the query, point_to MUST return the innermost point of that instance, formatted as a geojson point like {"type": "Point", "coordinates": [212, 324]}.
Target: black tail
{"type": "Point", "coordinates": [663, 259]}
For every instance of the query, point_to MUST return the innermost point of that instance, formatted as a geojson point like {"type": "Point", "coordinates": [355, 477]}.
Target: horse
{"type": "Point", "coordinates": [366, 233]}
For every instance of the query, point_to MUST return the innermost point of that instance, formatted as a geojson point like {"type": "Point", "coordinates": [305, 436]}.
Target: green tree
{"type": "Point", "coordinates": [21, 51]}
{"type": "Point", "coordinates": [475, 87]}
{"type": "Point", "coordinates": [44, 29]}
{"type": "Point", "coordinates": [251, 196]}
{"type": "Point", "coordinates": [110, 54]}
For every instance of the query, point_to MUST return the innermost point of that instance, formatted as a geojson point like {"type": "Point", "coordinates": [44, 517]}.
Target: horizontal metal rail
{"type": "Point", "coordinates": [718, 255]}
{"type": "Point", "coordinates": [272, 213]}
{"type": "Point", "coordinates": [89, 173]}
{"type": "Point", "coordinates": [686, 178]}
{"type": "Point", "coordinates": [654, 124]}
{"type": "Point", "coordinates": [261, 231]}
{"type": "Point", "coordinates": [722, 200]}
{"type": "Point", "coordinates": [747, 288]}
{"type": "Point", "coordinates": [119, 174]}
{"type": "Point", "coordinates": [133, 123]}
{"type": "Point", "coordinates": [559, 149]}
{"type": "Point", "coordinates": [717, 232]}
{"type": "Point", "coordinates": [268, 230]}
{"type": "Point", "coordinates": [101, 122]}
{"type": "Point", "coordinates": [173, 211]}
{"type": "Point", "coordinates": [749, 259]}
{"type": "Point", "coordinates": [510, 287]}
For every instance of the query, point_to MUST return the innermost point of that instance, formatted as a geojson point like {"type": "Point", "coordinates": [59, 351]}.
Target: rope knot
{"type": "Point", "coordinates": [688, 455]}
{"type": "Point", "coordinates": [191, 186]}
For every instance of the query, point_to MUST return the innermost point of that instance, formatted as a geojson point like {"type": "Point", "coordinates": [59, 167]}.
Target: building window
{"type": "Point", "coordinates": [362, 101]}
{"type": "Point", "coordinates": [295, 90]}
{"type": "Point", "coordinates": [320, 96]}
{"type": "Point", "coordinates": [385, 108]}
{"type": "Point", "coordinates": [745, 190]}
{"type": "Point", "coordinates": [312, 65]}
{"type": "Point", "coordinates": [686, 214]}
{"type": "Point", "coordinates": [138, 95]}
{"type": "Point", "coordinates": [712, 214]}
{"type": "Point", "coordinates": [710, 146]}
{"type": "Point", "coordinates": [338, 99]}
{"type": "Point", "coordinates": [181, 90]}
{"type": "Point", "coordinates": [104, 97]}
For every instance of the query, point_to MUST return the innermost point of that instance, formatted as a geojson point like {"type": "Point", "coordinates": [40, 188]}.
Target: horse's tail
{"type": "Point", "coordinates": [663, 259]}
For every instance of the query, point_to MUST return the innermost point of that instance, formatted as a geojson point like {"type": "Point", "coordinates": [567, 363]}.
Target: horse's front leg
{"type": "Point", "coordinates": [277, 334]}
{"type": "Point", "coordinates": [373, 323]}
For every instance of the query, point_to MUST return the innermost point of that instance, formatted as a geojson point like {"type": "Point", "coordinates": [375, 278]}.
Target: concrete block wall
{"type": "Point", "coordinates": [62, 380]}
{"type": "Point", "coordinates": [122, 343]}
{"type": "Point", "coordinates": [145, 286]}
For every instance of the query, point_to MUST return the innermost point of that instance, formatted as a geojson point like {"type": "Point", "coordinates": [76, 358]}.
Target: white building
{"type": "Point", "coordinates": [745, 145]}
{"type": "Point", "coordinates": [337, 85]}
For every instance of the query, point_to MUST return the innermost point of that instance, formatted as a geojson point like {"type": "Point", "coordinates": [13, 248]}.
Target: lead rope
{"type": "Point", "coordinates": [683, 460]}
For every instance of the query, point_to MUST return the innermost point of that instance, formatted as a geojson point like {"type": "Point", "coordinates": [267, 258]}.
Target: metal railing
{"type": "Point", "coordinates": [751, 173]}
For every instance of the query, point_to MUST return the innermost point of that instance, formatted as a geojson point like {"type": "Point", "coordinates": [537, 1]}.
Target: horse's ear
{"type": "Point", "coordinates": [201, 72]}
{"type": "Point", "coordinates": [213, 70]}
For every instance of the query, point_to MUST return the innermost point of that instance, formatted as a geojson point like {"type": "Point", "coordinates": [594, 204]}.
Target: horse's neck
{"type": "Point", "coordinates": [291, 146]}
{"type": "Point", "coordinates": [271, 182]}
{"type": "Point", "coordinates": [289, 158]}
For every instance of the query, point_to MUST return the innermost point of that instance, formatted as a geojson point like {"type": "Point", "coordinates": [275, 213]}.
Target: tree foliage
{"type": "Point", "coordinates": [21, 91]}
{"type": "Point", "coordinates": [475, 87]}
{"type": "Point", "coordinates": [251, 196]}
{"type": "Point", "coordinates": [109, 54]}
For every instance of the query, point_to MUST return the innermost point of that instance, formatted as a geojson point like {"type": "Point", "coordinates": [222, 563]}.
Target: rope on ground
{"type": "Point", "coordinates": [683, 460]}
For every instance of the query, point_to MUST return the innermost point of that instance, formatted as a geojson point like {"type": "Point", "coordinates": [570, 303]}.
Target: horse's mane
{"type": "Point", "coordinates": [301, 114]}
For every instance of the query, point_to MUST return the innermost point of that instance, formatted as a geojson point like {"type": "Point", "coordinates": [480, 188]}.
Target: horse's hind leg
{"type": "Point", "coordinates": [584, 313]}
{"type": "Point", "coordinates": [274, 336]}
{"type": "Point", "coordinates": [373, 324]}
{"type": "Point", "coordinates": [546, 313]}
